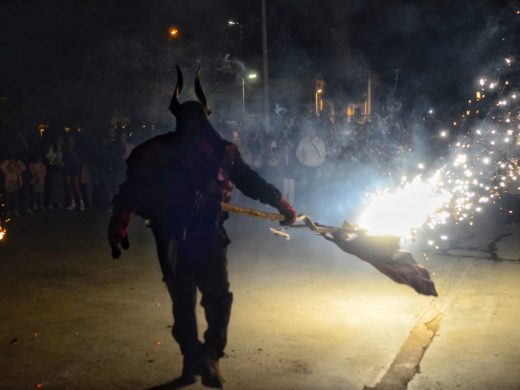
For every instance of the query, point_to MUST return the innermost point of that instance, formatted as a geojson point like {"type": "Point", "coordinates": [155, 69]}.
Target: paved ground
{"type": "Point", "coordinates": [306, 315]}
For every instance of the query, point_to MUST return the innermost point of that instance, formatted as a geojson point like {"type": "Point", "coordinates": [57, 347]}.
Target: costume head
{"type": "Point", "coordinates": [192, 116]}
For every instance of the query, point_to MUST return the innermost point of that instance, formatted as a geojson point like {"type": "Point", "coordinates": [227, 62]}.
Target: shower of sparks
{"type": "Point", "coordinates": [482, 166]}
{"type": "Point", "coordinates": [401, 211]}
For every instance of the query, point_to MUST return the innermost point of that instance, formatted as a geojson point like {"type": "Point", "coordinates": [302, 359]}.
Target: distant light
{"type": "Point", "coordinates": [492, 85]}
{"type": "Point", "coordinates": [319, 91]}
{"type": "Point", "coordinates": [508, 61]}
{"type": "Point", "coordinates": [252, 76]}
{"type": "Point", "coordinates": [443, 133]}
{"type": "Point", "coordinates": [420, 166]}
{"type": "Point", "coordinates": [478, 95]}
{"type": "Point", "coordinates": [430, 111]}
{"type": "Point", "coordinates": [482, 82]}
{"type": "Point", "coordinates": [232, 23]}
{"type": "Point", "coordinates": [173, 32]}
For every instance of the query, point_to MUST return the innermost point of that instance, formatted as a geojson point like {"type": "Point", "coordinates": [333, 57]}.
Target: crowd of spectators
{"type": "Point", "coordinates": [69, 170]}
{"type": "Point", "coordinates": [311, 159]}
{"type": "Point", "coordinates": [316, 160]}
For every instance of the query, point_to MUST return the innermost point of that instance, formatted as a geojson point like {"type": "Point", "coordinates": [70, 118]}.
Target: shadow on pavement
{"type": "Point", "coordinates": [177, 383]}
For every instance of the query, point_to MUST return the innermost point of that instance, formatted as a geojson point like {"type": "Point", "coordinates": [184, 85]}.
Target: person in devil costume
{"type": "Point", "coordinates": [178, 181]}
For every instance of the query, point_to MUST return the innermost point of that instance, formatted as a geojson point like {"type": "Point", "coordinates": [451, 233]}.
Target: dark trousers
{"type": "Point", "coordinates": [198, 262]}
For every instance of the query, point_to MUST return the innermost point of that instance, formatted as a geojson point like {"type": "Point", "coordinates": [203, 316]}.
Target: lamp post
{"type": "Point", "coordinates": [233, 23]}
{"type": "Point", "coordinates": [318, 96]}
{"type": "Point", "coordinates": [251, 77]}
{"type": "Point", "coordinates": [266, 67]}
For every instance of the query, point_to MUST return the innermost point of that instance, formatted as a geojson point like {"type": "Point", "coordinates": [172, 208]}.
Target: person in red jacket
{"type": "Point", "coordinates": [178, 181]}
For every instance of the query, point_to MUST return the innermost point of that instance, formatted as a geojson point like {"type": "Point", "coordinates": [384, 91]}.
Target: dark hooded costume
{"type": "Point", "coordinates": [178, 181]}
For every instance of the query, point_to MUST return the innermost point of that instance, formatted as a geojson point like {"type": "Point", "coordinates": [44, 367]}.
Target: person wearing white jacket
{"type": "Point", "coordinates": [311, 149]}
{"type": "Point", "coordinates": [310, 153]}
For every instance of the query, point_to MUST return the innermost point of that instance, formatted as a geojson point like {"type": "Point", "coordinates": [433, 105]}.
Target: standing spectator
{"type": "Point", "coordinates": [311, 155]}
{"type": "Point", "coordinates": [85, 179]}
{"type": "Point", "coordinates": [272, 169]}
{"type": "Point", "coordinates": [90, 157]}
{"type": "Point", "coordinates": [242, 144]}
{"type": "Point", "coordinates": [258, 147]}
{"type": "Point", "coordinates": [12, 170]}
{"type": "Point", "coordinates": [72, 162]}
{"type": "Point", "coordinates": [127, 146]}
{"type": "Point", "coordinates": [113, 163]}
{"type": "Point", "coordinates": [287, 166]}
{"type": "Point", "coordinates": [246, 155]}
{"type": "Point", "coordinates": [23, 153]}
{"type": "Point", "coordinates": [311, 149]}
{"type": "Point", "coordinates": [38, 172]}
{"type": "Point", "coordinates": [57, 185]}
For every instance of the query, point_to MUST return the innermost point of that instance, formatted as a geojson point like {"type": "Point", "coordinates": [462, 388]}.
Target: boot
{"type": "Point", "coordinates": [72, 206]}
{"type": "Point", "coordinates": [190, 370]}
{"type": "Point", "coordinates": [210, 372]}
{"type": "Point", "coordinates": [81, 205]}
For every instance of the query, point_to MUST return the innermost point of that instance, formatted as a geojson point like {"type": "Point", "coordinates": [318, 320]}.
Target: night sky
{"type": "Point", "coordinates": [79, 61]}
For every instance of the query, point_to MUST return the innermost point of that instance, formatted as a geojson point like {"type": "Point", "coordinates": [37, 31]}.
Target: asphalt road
{"type": "Point", "coordinates": [305, 316]}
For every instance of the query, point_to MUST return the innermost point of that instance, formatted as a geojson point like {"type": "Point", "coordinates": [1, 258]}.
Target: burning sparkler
{"type": "Point", "coordinates": [483, 167]}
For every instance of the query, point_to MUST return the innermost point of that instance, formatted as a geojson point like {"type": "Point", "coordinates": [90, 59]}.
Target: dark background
{"type": "Point", "coordinates": [79, 61]}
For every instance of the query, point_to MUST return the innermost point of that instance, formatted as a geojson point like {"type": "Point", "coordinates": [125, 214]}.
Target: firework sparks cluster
{"type": "Point", "coordinates": [482, 165]}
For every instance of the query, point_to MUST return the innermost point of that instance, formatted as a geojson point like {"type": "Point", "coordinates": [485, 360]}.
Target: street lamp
{"type": "Point", "coordinates": [318, 100]}
{"type": "Point", "coordinates": [250, 76]}
{"type": "Point", "coordinates": [173, 34]}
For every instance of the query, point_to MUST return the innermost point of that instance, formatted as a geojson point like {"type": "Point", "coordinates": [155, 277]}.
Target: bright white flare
{"type": "Point", "coordinates": [405, 209]}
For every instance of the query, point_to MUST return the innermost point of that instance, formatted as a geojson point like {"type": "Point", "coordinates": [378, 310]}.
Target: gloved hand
{"type": "Point", "coordinates": [287, 211]}
{"type": "Point", "coordinates": [118, 234]}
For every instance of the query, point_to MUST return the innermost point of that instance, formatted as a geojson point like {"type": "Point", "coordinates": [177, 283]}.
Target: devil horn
{"type": "Point", "coordinates": [174, 104]}
{"type": "Point", "coordinates": [200, 93]}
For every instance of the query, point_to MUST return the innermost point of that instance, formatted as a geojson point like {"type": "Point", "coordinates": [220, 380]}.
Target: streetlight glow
{"type": "Point", "coordinates": [252, 76]}
{"type": "Point", "coordinates": [173, 32]}
{"type": "Point", "coordinates": [232, 22]}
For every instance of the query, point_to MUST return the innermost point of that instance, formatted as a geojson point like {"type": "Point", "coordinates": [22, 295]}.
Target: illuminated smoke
{"type": "Point", "coordinates": [482, 168]}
